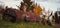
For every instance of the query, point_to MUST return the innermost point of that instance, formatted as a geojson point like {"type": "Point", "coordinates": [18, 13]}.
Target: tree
{"type": "Point", "coordinates": [28, 2]}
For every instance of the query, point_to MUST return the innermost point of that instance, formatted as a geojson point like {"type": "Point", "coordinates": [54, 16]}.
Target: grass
{"type": "Point", "coordinates": [5, 24]}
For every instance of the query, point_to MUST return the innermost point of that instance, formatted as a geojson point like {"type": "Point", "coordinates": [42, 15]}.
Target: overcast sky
{"type": "Point", "coordinates": [48, 4]}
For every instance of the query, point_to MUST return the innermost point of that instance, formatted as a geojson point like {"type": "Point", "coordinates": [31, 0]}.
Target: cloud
{"type": "Point", "coordinates": [48, 4]}
{"type": "Point", "coordinates": [51, 1]}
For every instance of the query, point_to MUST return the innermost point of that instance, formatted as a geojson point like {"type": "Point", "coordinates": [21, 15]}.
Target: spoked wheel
{"type": "Point", "coordinates": [9, 18]}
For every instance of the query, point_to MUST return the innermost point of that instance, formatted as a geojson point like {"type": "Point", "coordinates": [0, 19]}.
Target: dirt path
{"type": "Point", "coordinates": [58, 25]}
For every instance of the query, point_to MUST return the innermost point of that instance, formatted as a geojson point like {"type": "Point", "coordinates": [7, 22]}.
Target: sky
{"type": "Point", "coordinates": [47, 4]}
